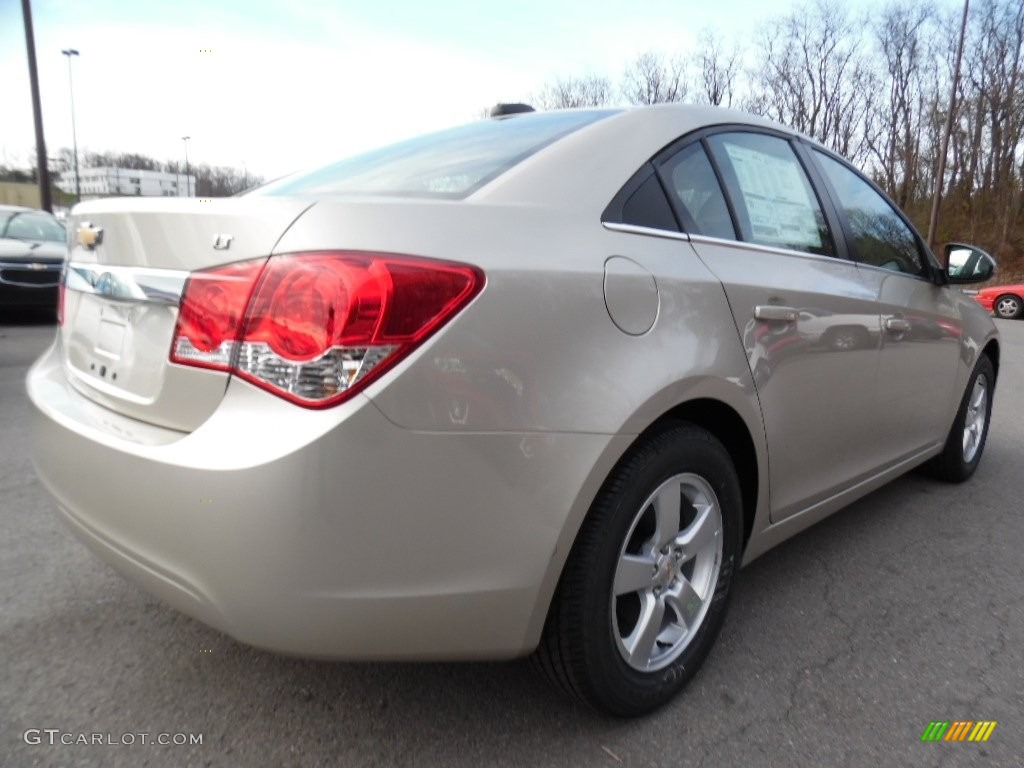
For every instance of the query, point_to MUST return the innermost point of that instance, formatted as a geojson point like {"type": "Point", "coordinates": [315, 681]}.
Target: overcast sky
{"type": "Point", "coordinates": [291, 83]}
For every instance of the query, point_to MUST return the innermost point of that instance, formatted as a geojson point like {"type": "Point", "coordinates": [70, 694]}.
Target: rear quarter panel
{"type": "Point", "coordinates": [536, 351]}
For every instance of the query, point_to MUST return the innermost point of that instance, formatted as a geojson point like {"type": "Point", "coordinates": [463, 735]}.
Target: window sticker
{"type": "Point", "coordinates": [778, 202]}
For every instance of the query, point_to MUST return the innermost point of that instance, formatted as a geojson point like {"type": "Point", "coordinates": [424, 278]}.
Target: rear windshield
{"type": "Point", "coordinates": [451, 163]}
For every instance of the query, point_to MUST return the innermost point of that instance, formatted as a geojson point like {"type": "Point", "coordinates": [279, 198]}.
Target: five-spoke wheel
{"type": "Point", "coordinates": [646, 586]}
{"type": "Point", "coordinates": [976, 418]}
{"type": "Point", "coordinates": [667, 572]}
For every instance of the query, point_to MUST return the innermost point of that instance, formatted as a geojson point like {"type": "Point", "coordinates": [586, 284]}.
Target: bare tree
{"type": "Point", "coordinates": [650, 79]}
{"type": "Point", "coordinates": [216, 181]}
{"type": "Point", "coordinates": [984, 176]}
{"type": "Point", "coordinates": [719, 68]}
{"type": "Point", "coordinates": [120, 160]}
{"type": "Point", "coordinates": [811, 74]}
{"type": "Point", "coordinates": [904, 34]}
{"type": "Point", "coordinates": [571, 92]}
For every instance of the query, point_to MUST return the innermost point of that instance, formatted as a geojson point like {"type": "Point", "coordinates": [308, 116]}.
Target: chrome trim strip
{"type": "Point", "coordinates": [757, 247]}
{"type": "Point", "coordinates": [633, 229]}
{"type": "Point", "coordinates": [789, 252]}
{"type": "Point", "coordinates": [922, 278]}
{"type": "Point", "coordinates": [128, 284]}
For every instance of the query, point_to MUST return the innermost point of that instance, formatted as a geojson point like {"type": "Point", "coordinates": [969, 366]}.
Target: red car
{"type": "Point", "coordinates": [1007, 301]}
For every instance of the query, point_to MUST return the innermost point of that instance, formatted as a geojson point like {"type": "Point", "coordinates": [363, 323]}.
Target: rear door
{"type": "Point", "coordinates": [807, 318]}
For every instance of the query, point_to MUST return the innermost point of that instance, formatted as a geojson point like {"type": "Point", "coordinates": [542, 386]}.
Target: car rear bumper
{"type": "Point", "coordinates": [331, 534]}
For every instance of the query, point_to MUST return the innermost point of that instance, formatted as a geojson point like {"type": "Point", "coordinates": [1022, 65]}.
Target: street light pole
{"type": "Point", "coordinates": [188, 182]}
{"type": "Point", "coordinates": [69, 52]}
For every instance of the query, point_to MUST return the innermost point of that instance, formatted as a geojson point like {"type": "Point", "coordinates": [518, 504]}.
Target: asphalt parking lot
{"type": "Point", "coordinates": [841, 646]}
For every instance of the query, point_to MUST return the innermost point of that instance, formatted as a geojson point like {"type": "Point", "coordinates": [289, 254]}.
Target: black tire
{"type": "Point", "coordinates": [580, 648]}
{"type": "Point", "coordinates": [951, 465]}
{"type": "Point", "coordinates": [1009, 306]}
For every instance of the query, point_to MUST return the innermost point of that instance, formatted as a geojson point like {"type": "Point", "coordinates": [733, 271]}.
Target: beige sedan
{"type": "Point", "coordinates": [538, 383]}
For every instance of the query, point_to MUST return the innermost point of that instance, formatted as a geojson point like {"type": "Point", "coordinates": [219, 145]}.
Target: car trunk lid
{"type": "Point", "coordinates": [128, 263]}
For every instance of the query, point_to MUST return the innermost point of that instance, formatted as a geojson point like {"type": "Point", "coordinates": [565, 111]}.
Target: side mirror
{"type": "Point", "coordinates": [967, 264]}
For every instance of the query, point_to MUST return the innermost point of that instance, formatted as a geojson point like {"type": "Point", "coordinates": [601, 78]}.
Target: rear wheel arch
{"type": "Point", "coordinates": [722, 421]}
{"type": "Point", "coordinates": [718, 418]}
{"type": "Point", "coordinates": [991, 351]}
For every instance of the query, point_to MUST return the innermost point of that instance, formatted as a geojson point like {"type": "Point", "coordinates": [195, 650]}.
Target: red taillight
{"type": "Point", "coordinates": [60, 302]}
{"type": "Point", "coordinates": [316, 327]}
{"type": "Point", "coordinates": [212, 313]}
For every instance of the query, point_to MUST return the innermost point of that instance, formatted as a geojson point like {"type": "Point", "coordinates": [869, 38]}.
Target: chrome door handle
{"type": "Point", "coordinates": [897, 325]}
{"type": "Point", "coordinates": [775, 312]}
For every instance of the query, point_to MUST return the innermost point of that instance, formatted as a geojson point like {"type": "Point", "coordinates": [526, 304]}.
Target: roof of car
{"type": "Point", "coordinates": [565, 173]}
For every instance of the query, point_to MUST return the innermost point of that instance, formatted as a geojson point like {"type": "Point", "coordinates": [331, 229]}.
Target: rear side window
{"type": "Point", "coordinates": [881, 237]}
{"type": "Point", "coordinates": [448, 164]}
{"type": "Point", "coordinates": [775, 201]}
{"type": "Point", "coordinates": [648, 207]}
{"type": "Point", "coordinates": [642, 203]}
{"type": "Point", "coordinates": [692, 180]}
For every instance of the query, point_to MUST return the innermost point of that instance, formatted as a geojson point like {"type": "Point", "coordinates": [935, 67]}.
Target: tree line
{"type": "Point", "coordinates": [875, 87]}
{"type": "Point", "coordinates": [210, 181]}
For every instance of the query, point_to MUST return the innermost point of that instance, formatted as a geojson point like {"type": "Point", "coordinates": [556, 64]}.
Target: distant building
{"type": "Point", "coordinates": [118, 182]}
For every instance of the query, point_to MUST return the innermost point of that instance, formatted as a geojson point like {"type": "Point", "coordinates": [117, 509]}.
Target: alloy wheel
{"type": "Point", "coordinates": [1008, 307]}
{"type": "Point", "coordinates": [667, 572]}
{"type": "Point", "coordinates": [974, 423]}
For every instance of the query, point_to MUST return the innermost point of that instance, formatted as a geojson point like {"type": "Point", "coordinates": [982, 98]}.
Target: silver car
{"type": "Point", "coordinates": [537, 383]}
{"type": "Point", "coordinates": [33, 245]}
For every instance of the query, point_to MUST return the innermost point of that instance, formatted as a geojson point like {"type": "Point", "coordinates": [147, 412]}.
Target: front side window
{"type": "Point", "coordinates": [776, 205]}
{"type": "Point", "coordinates": [881, 237]}
{"type": "Point", "coordinates": [692, 181]}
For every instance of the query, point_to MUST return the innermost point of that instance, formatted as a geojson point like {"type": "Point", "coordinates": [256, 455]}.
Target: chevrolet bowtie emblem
{"type": "Point", "coordinates": [89, 236]}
